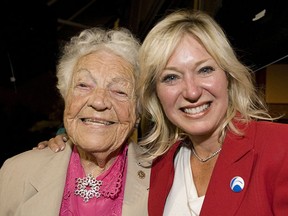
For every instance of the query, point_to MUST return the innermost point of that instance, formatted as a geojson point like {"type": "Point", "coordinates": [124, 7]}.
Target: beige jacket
{"type": "Point", "coordinates": [32, 183]}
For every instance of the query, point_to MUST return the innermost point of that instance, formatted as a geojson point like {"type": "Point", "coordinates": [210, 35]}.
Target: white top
{"type": "Point", "coordinates": [183, 198]}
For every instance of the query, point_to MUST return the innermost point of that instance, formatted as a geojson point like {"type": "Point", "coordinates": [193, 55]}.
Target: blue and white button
{"type": "Point", "coordinates": [237, 184]}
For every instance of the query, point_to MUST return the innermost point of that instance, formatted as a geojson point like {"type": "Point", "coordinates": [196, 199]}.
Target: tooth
{"type": "Point", "coordinates": [97, 122]}
{"type": "Point", "coordinates": [197, 109]}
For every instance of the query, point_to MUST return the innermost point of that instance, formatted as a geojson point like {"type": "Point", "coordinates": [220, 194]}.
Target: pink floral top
{"type": "Point", "coordinates": [112, 189]}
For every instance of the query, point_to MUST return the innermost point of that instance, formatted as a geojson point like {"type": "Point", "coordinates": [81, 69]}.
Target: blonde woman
{"type": "Point", "coordinates": [218, 153]}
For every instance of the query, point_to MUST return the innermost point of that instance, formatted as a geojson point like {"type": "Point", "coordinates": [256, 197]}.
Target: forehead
{"type": "Point", "coordinates": [188, 46]}
{"type": "Point", "coordinates": [104, 64]}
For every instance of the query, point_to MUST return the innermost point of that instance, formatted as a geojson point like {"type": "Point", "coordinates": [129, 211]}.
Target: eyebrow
{"type": "Point", "coordinates": [196, 64]}
{"type": "Point", "coordinates": [85, 71]}
{"type": "Point", "coordinates": [121, 79]}
{"type": "Point", "coordinates": [114, 80]}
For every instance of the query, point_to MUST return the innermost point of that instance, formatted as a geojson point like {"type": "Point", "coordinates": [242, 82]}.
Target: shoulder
{"type": "Point", "coordinates": [269, 138]}
{"type": "Point", "coordinates": [271, 148]}
{"type": "Point", "coordinates": [265, 129]}
{"type": "Point", "coordinates": [29, 158]}
{"type": "Point", "coordinates": [274, 126]}
{"type": "Point", "coordinates": [26, 174]}
{"type": "Point", "coordinates": [136, 155]}
{"type": "Point", "coordinates": [31, 161]}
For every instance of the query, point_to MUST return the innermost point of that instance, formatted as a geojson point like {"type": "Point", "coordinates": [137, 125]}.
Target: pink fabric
{"type": "Point", "coordinates": [112, 190]}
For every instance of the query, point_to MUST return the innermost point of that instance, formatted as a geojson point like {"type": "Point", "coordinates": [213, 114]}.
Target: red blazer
{"type": "Point", "coordinates": [260, 158]}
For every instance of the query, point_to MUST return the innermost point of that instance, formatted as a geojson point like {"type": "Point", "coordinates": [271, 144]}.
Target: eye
{"type": "Point", "coordinates": [169, 78]}
{"type": "Point", "coordinates": [82, 85]}
{"type": "Point", "coordinates": [206, 70]}
{"type": "Point", "coordinates": [119, 92]}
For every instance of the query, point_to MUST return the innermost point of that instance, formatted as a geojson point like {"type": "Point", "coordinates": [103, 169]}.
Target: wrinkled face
{"type": "Point", "coordinates": [100, 108]}
{"type": "Point", "coordinates": [193, 90]}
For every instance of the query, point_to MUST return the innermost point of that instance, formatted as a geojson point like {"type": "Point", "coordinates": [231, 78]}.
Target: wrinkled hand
{"type": "Point", "coordinates": [56, 144]}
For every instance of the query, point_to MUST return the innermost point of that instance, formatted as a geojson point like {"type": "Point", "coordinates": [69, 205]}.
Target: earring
{"type": "Point", "coordinates": [137, 122]}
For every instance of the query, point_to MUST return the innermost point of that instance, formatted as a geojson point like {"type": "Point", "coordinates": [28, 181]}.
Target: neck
{"type": "Point", "coordinates": [95, 164]}
{"type": "Point", "coordinates": [205, 149]}
{"type": "Point", "coordinates": [209, 142]}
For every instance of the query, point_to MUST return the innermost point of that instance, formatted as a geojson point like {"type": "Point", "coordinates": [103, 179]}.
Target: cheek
{"type": "Point", "coordinates": [222, 89]}
{"type": "Point", "coordinates": [126, 112]}
{"type": "Point", "coordinates": [222, 95]}
{"type": "Point", "coordinates": [218, 86]}
{"type": "Point", "coordinates": [166, 96]}
{"type": "Point", "coordinates": [69, 114]}
{"type": "Point", "coordinates": [73, 106]}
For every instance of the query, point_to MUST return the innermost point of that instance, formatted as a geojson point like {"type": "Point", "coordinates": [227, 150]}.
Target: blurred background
{"type": "Point", "coordinates": [34, 30]}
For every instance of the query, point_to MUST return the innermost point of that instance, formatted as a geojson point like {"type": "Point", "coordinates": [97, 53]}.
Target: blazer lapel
{"type": "Point", "coordinates": [235, 160]}
{"type": "Point", "coordinates": [47, 187]}
{"type": "Point", "coordinates": [137, 184]}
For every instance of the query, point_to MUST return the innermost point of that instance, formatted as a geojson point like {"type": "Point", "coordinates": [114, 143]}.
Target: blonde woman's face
{"type": "Point", "coordinates": [100, 109]}
{"type": "Point", "coordinates": [193, 89]}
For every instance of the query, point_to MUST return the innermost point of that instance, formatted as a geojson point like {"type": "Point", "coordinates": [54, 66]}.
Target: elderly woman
{"type": "Point", "coordinates": [95, 175]}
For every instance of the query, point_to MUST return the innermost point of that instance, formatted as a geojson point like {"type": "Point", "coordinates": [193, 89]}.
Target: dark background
{"type": "Point", "coordinates": [32, 32]}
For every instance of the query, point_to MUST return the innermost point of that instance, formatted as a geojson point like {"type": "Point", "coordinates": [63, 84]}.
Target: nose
{"type": "Point", "coordinates": [99, 100]}
{"type": "Point", "coordinates": [192, 89]}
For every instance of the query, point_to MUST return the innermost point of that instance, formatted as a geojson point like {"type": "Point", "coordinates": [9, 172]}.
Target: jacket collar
{"type": "Point", "coordinates": [162, 175]}
{"type": "Point", "coordinates": [235, 160]}
{"type": "Point", "coordinates": [137, 183]}
{"type": "Point", "coordinates": [46, 188]}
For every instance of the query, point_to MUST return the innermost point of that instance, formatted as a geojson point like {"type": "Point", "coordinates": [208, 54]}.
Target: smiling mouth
{"type": "Point", "coordinates": [197, 110]}
{"type": "Point", "coordinates": [96, 122]}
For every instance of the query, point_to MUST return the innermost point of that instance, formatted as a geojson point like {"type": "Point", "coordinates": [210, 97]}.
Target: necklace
{"type": "Point", "coordinates": [88, 187]}
{"type": "Point", "coordinates": [205, 159]}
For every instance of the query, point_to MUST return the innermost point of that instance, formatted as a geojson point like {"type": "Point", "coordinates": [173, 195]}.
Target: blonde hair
{"type": "Point", "coordinates": [156, 50]}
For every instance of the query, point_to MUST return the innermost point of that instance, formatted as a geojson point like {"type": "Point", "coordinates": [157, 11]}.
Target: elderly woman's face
{"type": "Point", "coordinates": [100, 108]}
